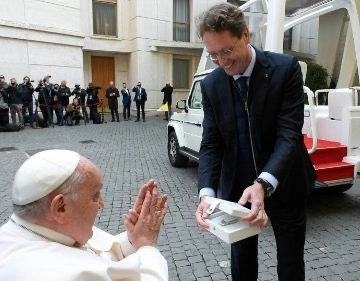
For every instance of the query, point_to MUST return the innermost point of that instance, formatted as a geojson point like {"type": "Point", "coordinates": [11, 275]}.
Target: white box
{"type": "Point", "coordinates": [232, 232]}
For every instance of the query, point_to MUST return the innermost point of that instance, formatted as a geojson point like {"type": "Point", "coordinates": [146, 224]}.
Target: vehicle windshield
{"type": "Point", "coordinates": [294, 6]}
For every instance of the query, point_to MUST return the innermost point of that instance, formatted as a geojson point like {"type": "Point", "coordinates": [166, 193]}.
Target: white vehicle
{"type": "Point", "coordinates": [331, 132]}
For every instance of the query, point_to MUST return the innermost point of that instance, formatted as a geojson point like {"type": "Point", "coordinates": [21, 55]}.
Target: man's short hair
{"type": "Point", "coordinates": [222, 17]}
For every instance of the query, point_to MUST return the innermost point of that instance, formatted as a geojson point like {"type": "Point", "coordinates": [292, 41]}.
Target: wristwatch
{"type": "Point", "coordinates": [268, 188]}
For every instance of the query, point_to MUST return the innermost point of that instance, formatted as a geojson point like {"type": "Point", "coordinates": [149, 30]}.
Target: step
{"type": "Point", "coordinates": [328, 154]}
{"type": "Point", "coordinates": [334, 171]}
{"type": "Point", "coordinates": [327, 151]}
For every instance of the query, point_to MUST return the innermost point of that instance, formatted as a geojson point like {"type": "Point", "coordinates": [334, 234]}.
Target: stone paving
{"type": "Point", "coordinates": [130, 153]}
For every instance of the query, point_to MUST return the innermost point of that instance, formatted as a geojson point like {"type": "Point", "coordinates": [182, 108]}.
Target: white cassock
{"type": "Point", "coordinates": [31, 252]}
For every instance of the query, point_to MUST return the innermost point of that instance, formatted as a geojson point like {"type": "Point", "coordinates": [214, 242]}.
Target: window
{"type": "Point", "coordinates": [104, 17]}
{"type": "Point", "coordinates": [181, 26]}
{"type": "Point", "coordinates": [181, 73]}
{"type": "Point", "coordinates": [196, 96]}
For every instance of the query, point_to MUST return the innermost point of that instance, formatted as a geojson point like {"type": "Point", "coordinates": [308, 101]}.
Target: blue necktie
{"type": "Point", "coordinates": [242, 83]}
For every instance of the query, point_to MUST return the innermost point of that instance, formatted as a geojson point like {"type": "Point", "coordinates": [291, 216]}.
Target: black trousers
{"type": "Point", "coordinates": [140, 104]}
{"type": "Point", "coordinates": [114, 112]}
{"type": "Point", "coordinates": [46, 115]}
{"type": "Point", "coordinates": [126, 111]}
{"type": "Point", "coordinates": [4, 117]}
{"type": "Point", "coordinates": [289, 226]}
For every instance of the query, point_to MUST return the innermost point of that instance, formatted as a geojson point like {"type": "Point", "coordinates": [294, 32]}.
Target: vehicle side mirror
{"type": "Point", "coordinates": [181, 104]}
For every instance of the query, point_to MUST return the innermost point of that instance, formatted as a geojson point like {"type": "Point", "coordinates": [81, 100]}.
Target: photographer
{"type": "Point", "coordinates": [73, 113]}
{"type": "Point", "coordinates": [26, 90]}
{"type": "Point", "coordinates": [92, 102]}
{"type": "Point", "coordinates": [56, 104]}
{"type": "Point", "coordinates": [44, 100]}
{"type": "Point", "coordinates": [2, 80]}
{"type": "Point", "coordinates": [15, 102]}
{"type": "Point", "coordinates": [65, 92]}
{"type": "Point", "coordinates": [4, 107]}
{"type": "Point", "coordinates": [80, 94]}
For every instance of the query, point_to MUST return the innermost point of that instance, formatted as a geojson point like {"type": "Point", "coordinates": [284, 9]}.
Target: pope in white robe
{"type": "Point", "coordinates": [31, 251]}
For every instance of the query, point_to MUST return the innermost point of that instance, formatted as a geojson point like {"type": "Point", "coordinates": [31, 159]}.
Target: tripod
{"type": "Point", "coordinates": [102, 111]}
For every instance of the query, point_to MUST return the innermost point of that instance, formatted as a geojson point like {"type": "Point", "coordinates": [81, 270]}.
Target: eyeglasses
{"type": "Point", "coordinates": [224, 53]}
{"type": "Point", "coordinates": [221, 54]}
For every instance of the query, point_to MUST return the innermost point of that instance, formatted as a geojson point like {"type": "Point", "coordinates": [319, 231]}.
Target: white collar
{"type": "Point", "coordinates": [250, 67]}
{"type": "Point", "coordinates": [42, 232]}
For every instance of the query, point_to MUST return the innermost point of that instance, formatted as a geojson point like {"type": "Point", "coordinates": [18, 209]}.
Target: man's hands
{"type": "Point", "coordinates": [201, 214]}
{"type": "Point", "coordinates": [143, 222]}
{"type": "Point", "coordinates": [254, 194]}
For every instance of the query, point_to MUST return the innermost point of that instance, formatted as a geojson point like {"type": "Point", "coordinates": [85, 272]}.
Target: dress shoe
{"type": "Point", "coordinates": [137, 120]}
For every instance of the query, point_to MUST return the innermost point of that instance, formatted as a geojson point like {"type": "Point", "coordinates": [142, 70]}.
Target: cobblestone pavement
{"type": "Point", "coordinates": [130, 153]}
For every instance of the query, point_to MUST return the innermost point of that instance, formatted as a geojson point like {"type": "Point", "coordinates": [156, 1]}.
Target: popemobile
{"type": "Point", "coordinates": [331, 129]}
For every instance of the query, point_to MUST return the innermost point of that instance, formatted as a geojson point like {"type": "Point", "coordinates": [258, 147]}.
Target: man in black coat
{"type": "Point", "coordinates": [92, 102]}
{"type": "Point", "coordinates": [126, 100]}
{"type": "Point", "coordinates": [44, 100]}
{"type": "Point", "coordinates": [26, 89]}
{"type": "Point", "coordinates": [4, 107]}
{"type": "Point", "coordinates": [252, 147]}
{"type": "Point", "coordinates": [15, 102]}
{"type": "Point", "coordinates": [80, 94]}
{"type": "Point", "coordinates": [167, 90]}
{"type": "Point", "coordinates": [140, 98]}
{"type": "Point", "coordinates": [112, 94]}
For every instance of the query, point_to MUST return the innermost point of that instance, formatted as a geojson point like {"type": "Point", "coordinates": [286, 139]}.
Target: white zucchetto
{"type": "Point", "coordinates": [42, 173]}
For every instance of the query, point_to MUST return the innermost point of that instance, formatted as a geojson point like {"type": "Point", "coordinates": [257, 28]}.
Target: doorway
{"type": "Point", "coordinates": [103, 71]}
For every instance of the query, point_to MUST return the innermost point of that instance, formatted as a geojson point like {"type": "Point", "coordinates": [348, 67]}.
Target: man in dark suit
{"type": "Point", "coordinates": [167, 90]}
{"type": "Point", "coordinates": [126, 100]}
{"type": "Point", "coordinates": [252, 148]}
{"type": "Point", "coordinates": [112, 94]}
{"type": "Point", "coordinates": [140, 99]}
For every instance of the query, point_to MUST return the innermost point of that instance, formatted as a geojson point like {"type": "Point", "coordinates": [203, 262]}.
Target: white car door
{"type": "Point", "coordinates": [193, 119]}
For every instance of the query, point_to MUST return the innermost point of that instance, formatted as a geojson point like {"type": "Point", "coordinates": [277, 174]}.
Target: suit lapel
{"type": "Point", "coordinates": [226, 101]}
{"type": "Point", "coordinates": [259, 83]}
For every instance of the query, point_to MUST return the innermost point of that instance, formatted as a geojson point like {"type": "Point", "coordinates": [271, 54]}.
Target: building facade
{"type": "Point", "coordinates": [82, 41]}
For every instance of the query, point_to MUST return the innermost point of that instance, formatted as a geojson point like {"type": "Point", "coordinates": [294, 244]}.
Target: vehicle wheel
{"type": "Point", "coordinates": [176, 159]}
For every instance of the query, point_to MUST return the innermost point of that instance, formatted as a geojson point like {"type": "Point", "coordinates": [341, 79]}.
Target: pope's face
{"type": "Point", "coordinates": [83, 210]}
{"type": "Point", "coordinates": [233, 54]}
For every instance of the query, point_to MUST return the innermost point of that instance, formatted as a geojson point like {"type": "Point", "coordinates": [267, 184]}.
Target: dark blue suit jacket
{"type": "Point", "coordinates": [276, 87]}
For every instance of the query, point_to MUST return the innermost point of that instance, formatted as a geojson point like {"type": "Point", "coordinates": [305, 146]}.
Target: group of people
{"type": "Point", "coordinates": [252, 152]}
{"type": "Point", "coordinates": [140, 98]}
{"type": "Point", "coordinates": [55, 98]}
{"type": "Point", "coordinates": [52, 98]}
